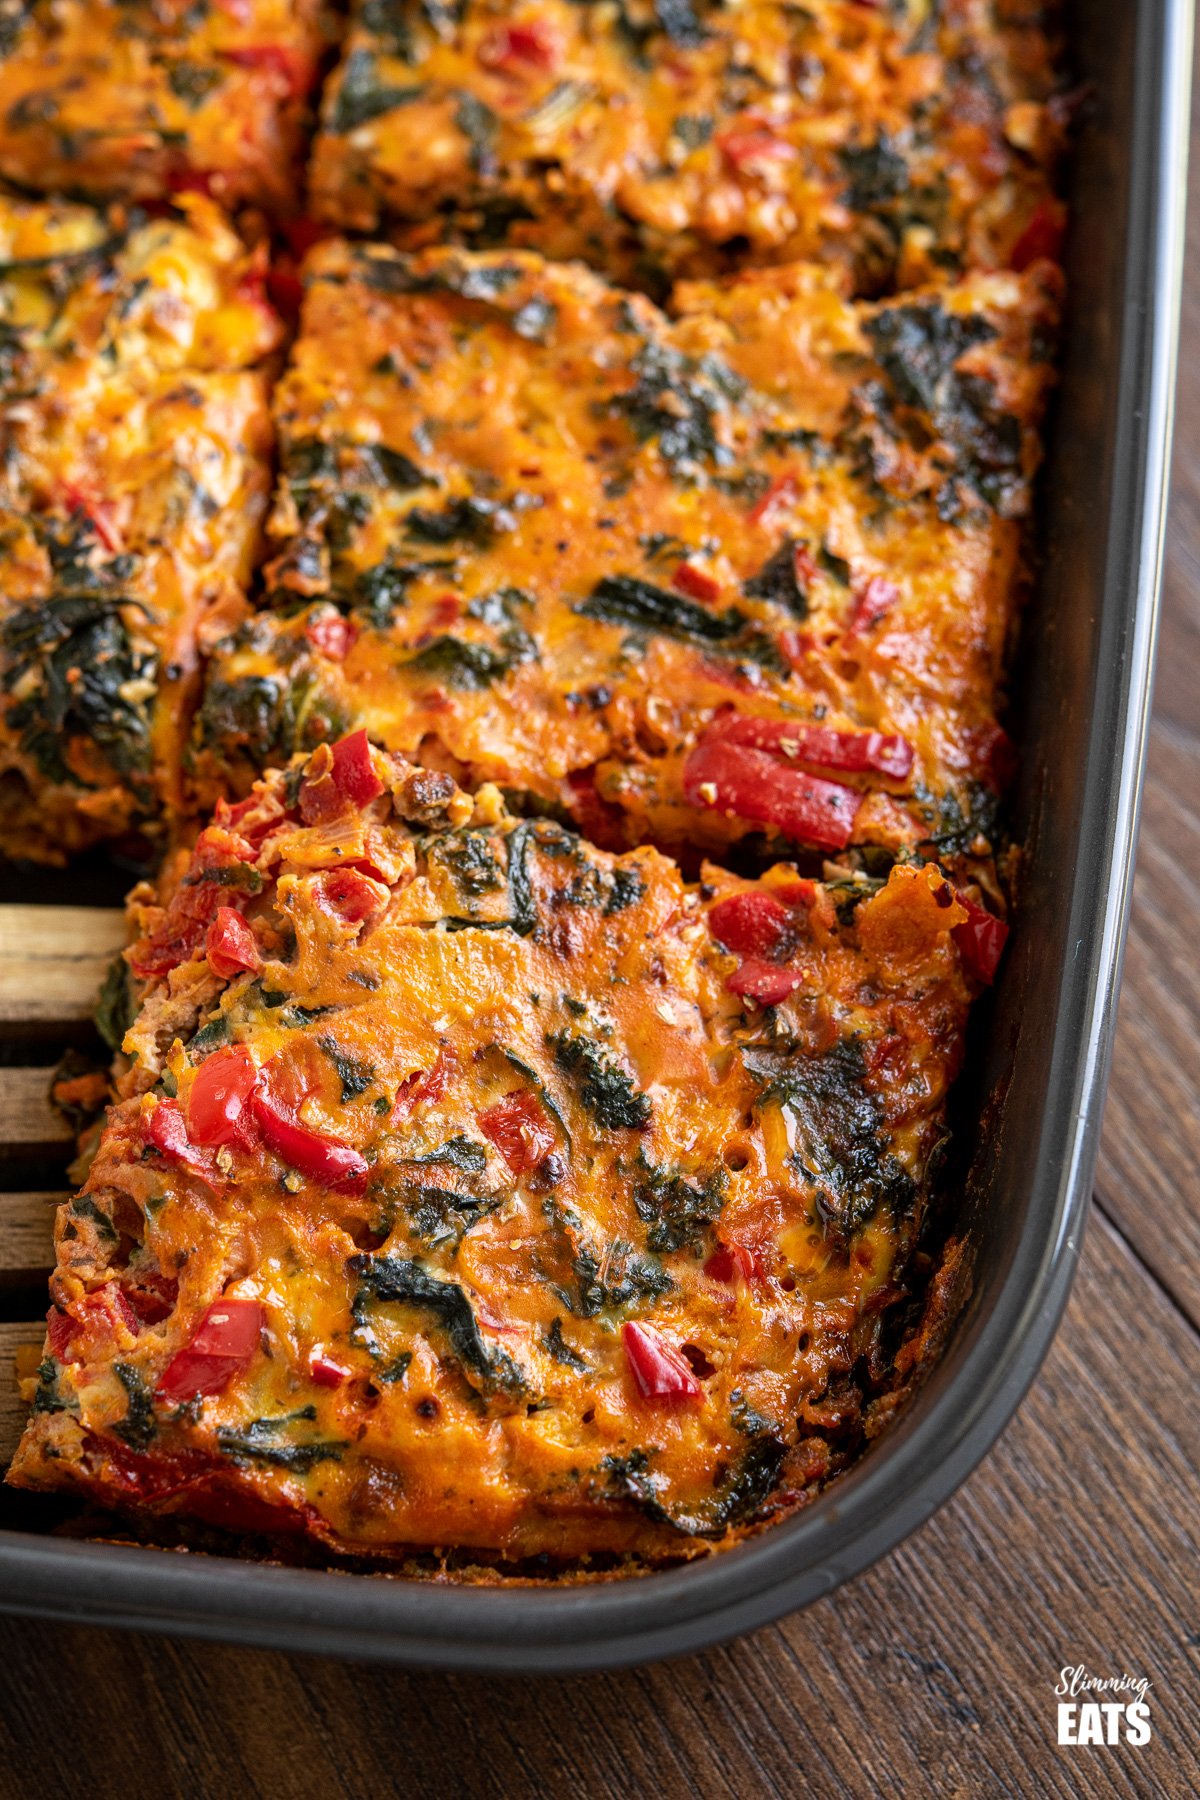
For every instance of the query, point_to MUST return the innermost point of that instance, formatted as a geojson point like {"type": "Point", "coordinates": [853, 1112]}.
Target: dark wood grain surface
{"type": "Point", "coordinates": [933, 1674]}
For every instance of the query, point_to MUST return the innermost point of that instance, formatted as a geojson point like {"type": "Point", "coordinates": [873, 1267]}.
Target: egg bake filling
{"type": "Point", "coordinates": [148, 99]}
{"type": "Point", "coordinates": [135, 475]}
{"type": "Point", "coordinates": [744, 575]}
{"type": "Point", "coordinates": [471, 1186]}
{"type": "Point", "coordinates": [684, 137]}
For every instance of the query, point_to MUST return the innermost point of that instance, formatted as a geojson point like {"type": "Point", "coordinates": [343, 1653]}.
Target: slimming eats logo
{"type": "Point", "coordinates": [1112, 1710]}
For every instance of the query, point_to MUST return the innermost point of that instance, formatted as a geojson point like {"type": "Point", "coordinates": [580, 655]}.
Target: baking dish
{"type": "Point", "coordinates": [1081, 691]}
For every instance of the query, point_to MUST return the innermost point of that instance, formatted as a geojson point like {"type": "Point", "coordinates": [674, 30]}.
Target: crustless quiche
{"type": "Point", "coordinates": [463, 1194]}
{"type": "Point", "coordinates": [136, 437]}
{"type": "Point", "coordinates": [659, 138]}
{"type": "Point", "coordinates": [743, 573]}
{"type": "Point", "coordinates": [580, 782]}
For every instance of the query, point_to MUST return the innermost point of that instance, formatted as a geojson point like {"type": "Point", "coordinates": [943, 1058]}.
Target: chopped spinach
{"type": "Point", "coordinates": [355, 1076]}
{"type": "Point", "coordinates": [877, 173]}
{"type": "Point", "coordinates": [605, 1089]}
{"type": "Point", "coordinates": [676, 401]}
{"type": "Point", "coordinates": [467, 518]}
{"type": "Point", "coordinates": [139, 1427]}
{"type": "Point", "coordinates": [556, 1346]}
{"type": "Point", "coordinates": [395, 1279]}
{"type": "Point", "coordinates": [779, 582]}
{"type": "Point", "coordinates": [79, 673]}
{"type": "Point", "coordinates": [259, 1441]}
{"type": "Point", "coordinates": [627, 600]}
{"type": "Point", "coordinates": [458, 1152]}
{"type": "Point", "coordinates": [470, 666]}
{"type": "Point", "coordinates": [677, 1209]}
{"type": "Point", "coordinates": [115, 1010]}
{"type": "Point", "coordinates": [839, 1132]}
{"type": "Point", "coordinates": [616, 1278]}
{"type": "Point", "coordinates": [363, 96]}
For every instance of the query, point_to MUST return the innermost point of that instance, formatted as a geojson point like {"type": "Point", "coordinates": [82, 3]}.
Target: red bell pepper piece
{"type": "Point", "coordinates": [742, 149]}
{"type": "Point", "coordinates": [106, 1308]}
{"type": "Point", "coordinates": [528, 44]}
{"type": "Point", "coordinates": [766, 982]}
{"type": "Point", "coordinates": [275, 59]}
{"type": "Point", "coordinates": [224, 1345]}
{"type": "Point", "coordinates": [751, 785]}
{"type": "Point", "coordinates": [981, 939]}
{"type": "Point", "coordinates": [96, 513]}
{"type": "Point", "coordinates": [694, 582]}
{"type": "Point", "coordinates": [659, 1370]}
{"type": "Point", "coordinates": [166, 1132]}
{"type": "Point", "coordinates": [520, 1130]}
{"type": "Point", "coordinates": [60, 1329]}
{"type": "Point", "coordinates": [423, 1088]}
{"type": "Point", "coordinates": [781, 492]}
{"type": "Point", "coordinates": [231, 946]}
{"type": "Point", "coordinates": [1042, 237]}
{"type": "Point", "coordinates": [332, 635]}
{"type": "Point", "coordinates": [153, 1296]}
{"type": "Point", "coordinates": [858, 752]}
{"type": "Point", "coordinates": [354, 772]}
{"type": "Point", "coordinates": [325, 1372]}
{"type": "Point", "coordinates": [350, 895]}
{"type": "Point", "coordinates": [219, 1095]}
{"type": "Point", "coordinates": [326, 1160]}
{"type": "Point", "coordinates": [728, 1261]}
{"type": "Point", "coordinates": [750, 923]}
{"type": "Point", "coordinates": [873, 600]}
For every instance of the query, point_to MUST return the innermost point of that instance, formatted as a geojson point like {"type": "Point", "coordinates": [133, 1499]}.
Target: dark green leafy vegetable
{"type": "Point", "coordinates": [877, 173]}
{"type": "Point", "coordinates": [839, 1132]}
{"type": "Point", "coordinates": [115, 1010]}
{"type": "Point", "coordinates": [355, 1076]}
{"type": "Point", "coordinates": [458, 1153]}
{"type": "Point", "coordinates": [192, 81]}
{"type": "Point", "coordinates": [139, 1427]}
{"type": "Point", "coordinates": [467, 518]}
{"type": "Point", "coordinates": [260, 1442]}
{"type": "Point", "coordinates": [735, 1502]}
{"type": "Point", "coordinates": [677, 1210]}
{"type": "Point", "coordinates": [398, 1279]}
{"type": "Point", "coordinates": [616, 1278]}
{"type": "Point", "coordinates": [605, 1089]}
{"type": "Point", "coordinates": [627, 600]}
{"type": "Point", "coordinates": [468, 666]}
{"type": "Point", "coordinates": [779, 582]}
{"type": "Point", "coordinates": [557, 1347]}
{"type": "Point", "coordinates": [676, 401]}
{"type": "Point", "coordinates": [363, 96]}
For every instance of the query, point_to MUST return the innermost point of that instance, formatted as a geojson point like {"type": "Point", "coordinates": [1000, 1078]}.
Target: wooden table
{"type": "Point", "coordinates": [1076, 1542]}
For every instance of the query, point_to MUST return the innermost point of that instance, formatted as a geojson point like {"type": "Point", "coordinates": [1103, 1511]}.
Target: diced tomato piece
{"type": "Point", "coordinates": [224, 1345]}
{"type": "Point", "coordinates": [1042, 237]}
{"type": "Point", "coordinates": [994, 756]}
{"type": "Point", "coordinates": [743, 149]}
{"type": "Point", "coordinates": [858, 752]}
{"type": "Point", "coordinates": [528, 44]}
{"type": "Point", "coordinates": [750, 923]}
{"type": "Point", "coordinates": [782, 492]}
{"type": "Point", "coordinates": [326, 1160]}
{"type": "Point", "coordinates": [424, 1089]}
{"type": "Point", "coordinates": [690, 580]}
{"type": "Point", "coordinates": [520, 1130]}
{"type": "Point", "coordinates": [765, 982]}
{"type": "Point", "coordinates": [332, 635]}
{"type": "Point", "coordinates": [231, 946]}
{"type": "Point", "coordinates": [219, 1095]}
{"type": "Point", "coordinates": [293, 65]}
{"type": "Point", "coordinates": [165, 1131]}
{"type": "Point", "coordinates": [659, 1370]}
{"type": "Point", "coordinates": [183, 179]}
{"type": "Point", "coordinates": [752, 785]}
{"type": "Point", "coordinates": [325, 1372]}
{"type": "Point", "coordinates": [350, 895]}
{"type": "Point", "coordinates": [354, 772]}
{"type": "Point", "coordinates": [284, 286]}
{"type": "Point", "coordinates": [875, 598]}
{"type": "Point", "coordinates": [981, 939]}
{"type": "Point", "coordinates": [728, 1261]}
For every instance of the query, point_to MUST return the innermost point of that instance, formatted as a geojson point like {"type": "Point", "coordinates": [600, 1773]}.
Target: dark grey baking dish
{"type": "Point", "coordinates": [1082, 697]}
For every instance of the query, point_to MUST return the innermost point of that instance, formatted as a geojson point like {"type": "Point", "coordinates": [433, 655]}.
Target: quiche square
{"type": "Point", "coordinates": [478, 1192]}
{"type": "Point", "coordinates": [657, 139]}
{"type": "Point", "coordinates": [140, 101]}
{"type": "Point", "coordinates": [743, 573]}
{"type": "Point", "coordinates": [136, 474]}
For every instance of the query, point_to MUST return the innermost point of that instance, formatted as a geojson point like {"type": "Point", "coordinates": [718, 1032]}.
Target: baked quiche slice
{"type": "Point", "coordinates": [744, 572]}
{"type": "Point", "coordinates": [135, 474]}
{"type": "Point", "coordinates": [473, 1189]}
{"type": "Point", "coordinates": [655, 140]}
{"type": "Point", "coordinates": [133, 100]}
